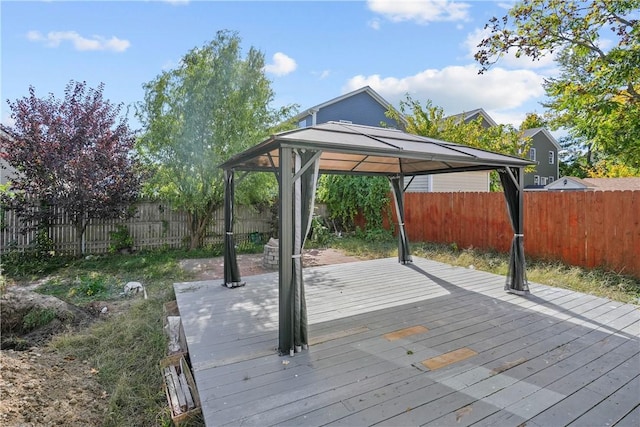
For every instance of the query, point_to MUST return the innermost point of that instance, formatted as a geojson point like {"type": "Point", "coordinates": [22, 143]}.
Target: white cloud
{"type": "Point", "coordinates": [374, 23]}
{"type": "Point", "coordinates": [282, 65]}
{"type": "Point", "coordinates": [55, 38]}
{"type": "Point", "coordinates": [322, 74]}
{"type": "Point", "coordinates": [421, 11]}
{"type": "Point", "coordinates": [509, 59]}
{"type": "Point", "coordinates": [177, 2]}
{"type": "Point", "coordinates": [460, 88]}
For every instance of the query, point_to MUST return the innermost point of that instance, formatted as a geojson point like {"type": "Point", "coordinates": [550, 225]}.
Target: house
{"type": "Point", "coordinates": [571, 183]}
{"type": "Point", "coordinates": [474, 115]}
{"type": "Point", "coordinates": [365, 106]}
{"type": "Point", "coordinates": [544, 150]}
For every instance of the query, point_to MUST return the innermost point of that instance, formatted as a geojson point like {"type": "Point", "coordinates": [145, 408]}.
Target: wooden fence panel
{"type": "Point", "coordinates": [154, 225]}
{"type": "Point", "coordinates": [589, 229]}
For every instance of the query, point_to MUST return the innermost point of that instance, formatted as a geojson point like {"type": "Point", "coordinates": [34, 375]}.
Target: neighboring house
{"type": "Point", "coordinates": [544, 150]}
{"type": "Point", "coordinates": [571, 183]}
{"type": "Point", "coordinates": [473, 115]}
{"type": "Point", "coordinates": [363, 106]}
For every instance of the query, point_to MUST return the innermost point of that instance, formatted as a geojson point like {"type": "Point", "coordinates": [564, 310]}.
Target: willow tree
{"type": "Point", "coordinates": [214, 104]}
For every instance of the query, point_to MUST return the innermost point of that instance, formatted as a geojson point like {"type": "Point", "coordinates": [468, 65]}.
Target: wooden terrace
{"type": "Point", "coordinates": [421, 344]}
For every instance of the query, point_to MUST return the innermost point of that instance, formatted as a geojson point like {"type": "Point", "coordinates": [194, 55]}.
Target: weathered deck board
{"type": "Point", "coordinates": [553, 357]}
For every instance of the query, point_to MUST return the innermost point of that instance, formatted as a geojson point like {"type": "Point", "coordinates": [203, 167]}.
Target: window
{"type": "Point", "coordinates": [543, 180]}
{"type": "Point", "coordinates": [552, 157]}
{"type": "Point", "coordinates": [532, 154]}
{"type": "Point", "coordinates": [302, 123]}
{"type": "Point", "coordinates": [536, 180]}
{"type": "Point", "coordinates": [551, 178]}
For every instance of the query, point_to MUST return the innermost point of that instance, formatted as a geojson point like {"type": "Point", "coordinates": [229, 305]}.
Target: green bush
{"type": "Point", "coordinates": [38, 317]}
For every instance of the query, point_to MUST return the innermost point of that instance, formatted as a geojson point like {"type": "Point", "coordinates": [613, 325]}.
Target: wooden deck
{"type": "Point", "coordinates": [427, 344]}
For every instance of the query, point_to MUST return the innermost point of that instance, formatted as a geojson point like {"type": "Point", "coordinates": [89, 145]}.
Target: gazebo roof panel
{"type": "Point", "coordinates": [373, 150]}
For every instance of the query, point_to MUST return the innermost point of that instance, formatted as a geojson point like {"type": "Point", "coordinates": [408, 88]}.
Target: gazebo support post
{"type": "Point", "coordinates": [513, 184]}
{"type": "Point", "coordinates": [285, 323]}
{"type": "Point", "coordinates": [231, 272]}
{"type": "Point", "coordinates": [397, 185]}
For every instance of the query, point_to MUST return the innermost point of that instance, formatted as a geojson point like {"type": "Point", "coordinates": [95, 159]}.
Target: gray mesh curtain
{"type": "Point", "coordinates": [397, 185]}
{"type": "Point", "coordinates": [303, 201]}
{"type": "Point", "coordinates": [231, 273]}
{"type": "Point", "coordinates": [513, 185]}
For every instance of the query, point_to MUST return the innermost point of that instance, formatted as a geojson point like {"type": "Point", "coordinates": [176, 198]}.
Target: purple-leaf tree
{"type": "Point", "coordinates": [71, 157]}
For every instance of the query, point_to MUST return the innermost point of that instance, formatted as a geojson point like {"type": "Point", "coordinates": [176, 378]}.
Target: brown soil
{"type": "Point", "coordinates": [40, 387]}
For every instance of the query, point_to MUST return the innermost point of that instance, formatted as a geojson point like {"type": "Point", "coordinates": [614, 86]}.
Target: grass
{"type": "Point", "coordinates": [126, 348]}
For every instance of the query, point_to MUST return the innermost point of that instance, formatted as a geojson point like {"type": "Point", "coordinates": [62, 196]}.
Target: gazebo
{"type": "Point", "coordinates": [298, 156]}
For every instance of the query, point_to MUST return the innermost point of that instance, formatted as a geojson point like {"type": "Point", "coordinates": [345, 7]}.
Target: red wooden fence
{"type": "Point", "coordinates": [583, 228]}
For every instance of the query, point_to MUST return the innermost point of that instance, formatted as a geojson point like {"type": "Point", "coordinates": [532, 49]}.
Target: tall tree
{"type": "Point", "coordinates": [74, 154]}
{"type": "Point", "coordinates": [214, 104]}
{"type": "Point", "coordinates": [596, 95]}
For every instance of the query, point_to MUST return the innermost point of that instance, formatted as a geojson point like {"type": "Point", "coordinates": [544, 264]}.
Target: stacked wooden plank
{"type": "Point", "coordinates": [179, 385]}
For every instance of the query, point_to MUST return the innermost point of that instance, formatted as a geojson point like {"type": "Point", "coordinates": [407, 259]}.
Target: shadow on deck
{"type": "Point", "coordinates": [420, 344]}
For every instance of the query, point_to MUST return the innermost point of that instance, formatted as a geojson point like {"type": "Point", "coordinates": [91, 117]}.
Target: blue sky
{"type": "Point", "coordinates": [315, 51]}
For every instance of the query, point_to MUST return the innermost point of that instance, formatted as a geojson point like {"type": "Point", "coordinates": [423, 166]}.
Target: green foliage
{"type": "Point", "coordinates": [72, 155]}
{"type": "Point", "coordinates": [37, 317]}
{"type": "Point", "coordinates": [120, 239]}
{"type": "Point", "coordinates": [28, 264]}
{"type": "Point", "coordinates": [345, 196]}
{"type": "Point", "coordinates": [212, 106]}
{"type": "Point", "coordinates": [320, 234]}
{"type": "Point", "coordinates": [596, 95]}
{"type": "Point", "coordinates": [374, 235]}
{"type": "Point", "coordinates": [82, 288]}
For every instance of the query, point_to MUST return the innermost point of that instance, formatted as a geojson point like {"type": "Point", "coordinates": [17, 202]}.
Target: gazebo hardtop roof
{"type": "Point", "coordinates": [357, 149]}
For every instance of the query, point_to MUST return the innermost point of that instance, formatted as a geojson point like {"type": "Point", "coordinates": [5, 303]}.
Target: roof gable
{"type": "Point", "coordinates": [375, 96]}
{"type": "Point", "coordinates": [534, 131]}
{"type": "Point", "coordinates": [473, 115]}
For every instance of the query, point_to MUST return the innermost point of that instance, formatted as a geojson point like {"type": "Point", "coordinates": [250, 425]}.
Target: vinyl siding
{"type": "Point", "coordinates": [451, 182]}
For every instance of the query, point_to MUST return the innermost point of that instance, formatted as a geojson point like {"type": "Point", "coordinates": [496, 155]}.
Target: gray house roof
{"type": "Point", "coordinates": [466, 116]}
{"type": "Point", "coordinates": [534, 131]}
{"type": "Point", "coordinates": [357, 149]}
{"type": "Point", "coordinates": [594, 184]}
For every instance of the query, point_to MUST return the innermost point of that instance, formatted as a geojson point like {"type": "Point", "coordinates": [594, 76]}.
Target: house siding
{"type": "Point", "coordinates": [461, 181]}
{"type": "Point", "coordinates": [543, 145]}
{"type": "Point", "coordinates": [451, 182]}
{"type": "Point", "coordinates": [359, 109]}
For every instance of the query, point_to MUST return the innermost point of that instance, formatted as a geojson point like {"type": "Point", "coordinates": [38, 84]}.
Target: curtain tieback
{"type": "Point", "coordinates": [518, 235]}
{"type": "Point", "coordinates": [296, 256]}
{"type": "Point", "coordinates": [229, 233]}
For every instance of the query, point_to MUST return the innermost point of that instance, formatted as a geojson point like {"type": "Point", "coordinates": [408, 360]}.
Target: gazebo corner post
{"type": "Point", "coordinates": [285, 264]}
{"type": "Point", "coordinates": [516, 281]}
{"type": "Point", "coordinates": [397, 185]}
{"type": "Point", "coordinates": [231, 272]}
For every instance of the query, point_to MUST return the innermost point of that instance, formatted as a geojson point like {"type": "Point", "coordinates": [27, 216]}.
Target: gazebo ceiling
{"type": "Point", "coordinates": [357, 149]}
